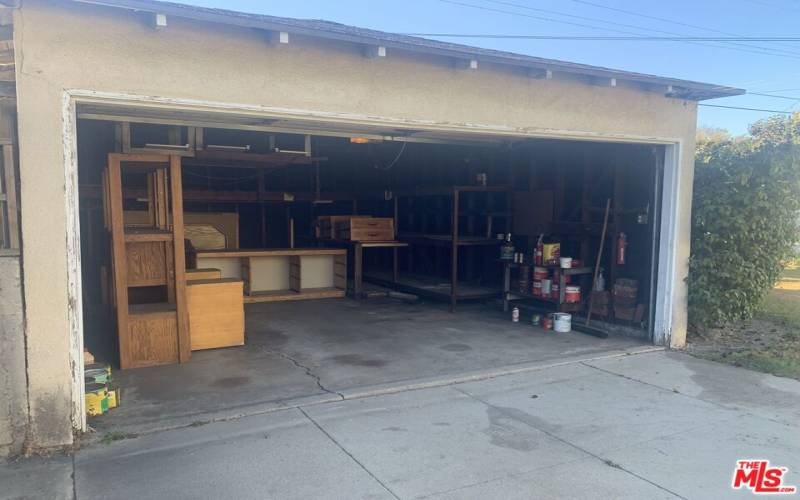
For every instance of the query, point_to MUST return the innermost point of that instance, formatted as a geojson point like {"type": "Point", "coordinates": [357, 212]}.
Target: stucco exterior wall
{"type": "Point", "coordinates": [62, 46]}
{"type": "Point", "coordinates": [13, 396]}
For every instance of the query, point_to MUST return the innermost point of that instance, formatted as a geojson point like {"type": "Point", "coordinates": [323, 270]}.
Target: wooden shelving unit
{"type": "Point", "coordinates": [152, 333]}
{"type": "Point", "coordinates": [556, 304]}
{"type": "Point", "coordinates": [464, 230]}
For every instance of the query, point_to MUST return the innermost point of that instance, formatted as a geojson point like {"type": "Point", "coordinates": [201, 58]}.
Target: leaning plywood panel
{"type": "Point", "coordinates": [216, 313]}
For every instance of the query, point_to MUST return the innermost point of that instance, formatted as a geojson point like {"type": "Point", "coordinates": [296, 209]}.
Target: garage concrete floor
{"type": "Point", "coordinates": [316, 351]}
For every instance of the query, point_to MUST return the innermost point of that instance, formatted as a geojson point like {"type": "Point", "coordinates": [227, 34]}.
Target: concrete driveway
{"type": "Point", "coordinates": [649, 425]}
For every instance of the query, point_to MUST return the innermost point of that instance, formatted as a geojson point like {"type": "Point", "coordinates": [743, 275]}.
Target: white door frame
{"type": "Point", "coordinates": [666, 265]}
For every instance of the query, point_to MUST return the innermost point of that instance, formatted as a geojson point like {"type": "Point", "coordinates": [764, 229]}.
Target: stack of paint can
{"type": "Point", "coordinates": [101, 396]}
{"type": "Point", "coordinates": [539, 274]}
{"type": "Point", "coordinates": [524, 278]}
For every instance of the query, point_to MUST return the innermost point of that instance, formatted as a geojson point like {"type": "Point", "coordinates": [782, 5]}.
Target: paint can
{"type": "Point", "coordinates": [540, 273]}
{"type": "Point", "coordinates": [562, 323]}
{"type": "Point", "coordinates": [547, 286]}
{"type": "Point", "coordinates": [96, 399]}
{"type": "Point", "coordinates": [536, 319]}
{"type": "Point", "coordinates": [554, 291]}
{"type": "Point", "coordinates": [566, 262]}
{"type": "Point", "coordinates": [524, 278]}
{"type": "Point", "coordinates": [547, 322]}
{"type": "Point", "coordinates": [515, 315]}
{"type": "Point", "coordinates": [537, 288]}
{"type": "Point", "coordinates": [572, 294]}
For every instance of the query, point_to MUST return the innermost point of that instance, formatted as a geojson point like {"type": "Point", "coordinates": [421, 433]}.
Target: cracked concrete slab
{"type": "Point", "coordinates": [318, 351]}
{"type": "Point", "coordinates": [699, 463]}
{"type": "Point", "coordinates": [280, 455]}
{"type": "Point", "coordinates": [595, 410]}
{"type": "Point", "coordinates": [581, 479]}
{"type": "Point", "coordinates": [434, 440]}
{"type": "Point", "coordinates": [37, 478]}
{"type": "Point", "coordinates": [762, 394]}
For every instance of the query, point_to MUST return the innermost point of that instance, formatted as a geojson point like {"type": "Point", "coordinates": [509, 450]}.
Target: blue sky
{"type": "Point", "coordinates": [713, 62]}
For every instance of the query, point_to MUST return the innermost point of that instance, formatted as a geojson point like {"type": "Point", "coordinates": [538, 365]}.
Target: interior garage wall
{"type": "Point", "coordinates": [66, 45]}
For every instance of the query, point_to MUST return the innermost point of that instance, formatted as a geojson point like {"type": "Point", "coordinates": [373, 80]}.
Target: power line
{"type": "Point", "coordinates": [790, 98]}
{"type": "Point", "coordinates": [656, 18]}
{"type": "Point", "coordinates": [609, 38]}
{"type": "Point", "coordinates": [550, 19]}
{"type": "Point", "coordinates": [746, 109]}
{"type": "Point", "coordinates": [765, 50]}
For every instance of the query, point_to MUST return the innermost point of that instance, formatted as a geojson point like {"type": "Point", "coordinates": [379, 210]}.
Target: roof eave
{"type": "Point", "coordinates": [670, 87]}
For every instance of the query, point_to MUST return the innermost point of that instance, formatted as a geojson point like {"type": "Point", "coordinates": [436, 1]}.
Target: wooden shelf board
{"type": "Point", "coordinates": [305, 294]}
{"type": "Point", "coordinates": [156, 309]}
{"type": "Point", "coordinates": [446, 239]}
{"type": "Point", "coordinates": [272, 252]}
{"type": "Point", "coordinates": [146, 235]}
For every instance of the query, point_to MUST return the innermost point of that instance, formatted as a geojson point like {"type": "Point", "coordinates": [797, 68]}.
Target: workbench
{"type": "Point", "coordinates": [357, 248]}
{"type": "Point", "coordinates": [271, 275]}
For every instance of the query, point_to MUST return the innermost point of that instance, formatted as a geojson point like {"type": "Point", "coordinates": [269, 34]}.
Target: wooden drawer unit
{"type": "Point", "coordinates": [326, 224]}
{"type": "Point", "coordinates": [366, 229]}
{"type": "Point", "coordinates": [216, 313]}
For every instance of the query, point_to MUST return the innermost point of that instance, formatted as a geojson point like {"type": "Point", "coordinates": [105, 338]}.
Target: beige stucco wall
{"type": "Point", "coordinates": [67, 45]}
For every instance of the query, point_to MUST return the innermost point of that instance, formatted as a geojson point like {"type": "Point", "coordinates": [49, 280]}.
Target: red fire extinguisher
{"type": "Point", "coordinates": [622, 242]}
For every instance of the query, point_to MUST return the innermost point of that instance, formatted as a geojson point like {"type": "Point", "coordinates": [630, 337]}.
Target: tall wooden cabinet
{"type": "Point", "coordinates": [149, 268]}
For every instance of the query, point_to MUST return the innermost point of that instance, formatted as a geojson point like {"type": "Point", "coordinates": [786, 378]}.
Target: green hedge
{"type": "Point", "coordinates": [744, 221]}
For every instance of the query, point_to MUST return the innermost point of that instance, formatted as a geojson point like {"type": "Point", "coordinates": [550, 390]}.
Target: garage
{"type": "Point", "coordinates": [321, 261]}
{"type": "Point", "coordinates": [236, 213]}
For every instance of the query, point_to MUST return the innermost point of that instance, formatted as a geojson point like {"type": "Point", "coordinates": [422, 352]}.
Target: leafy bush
{"type": "Point", "coordinates": [744, 220]}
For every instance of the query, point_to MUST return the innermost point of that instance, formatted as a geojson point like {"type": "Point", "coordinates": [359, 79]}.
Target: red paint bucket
{"type": "Point", "coordinates": [572, 294]}
{"type": "Point", "coordinates": [537, 288]}
{"type": "Point", "coordinates": [540, 273]}
{"type": "Point", "coordinates": [547, 323]}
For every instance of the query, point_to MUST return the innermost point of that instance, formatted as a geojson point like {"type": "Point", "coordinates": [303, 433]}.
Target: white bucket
{"type": "Point", "coordinates": [562, 322]}
{"type": "Point", "coordinates": [566, 262]}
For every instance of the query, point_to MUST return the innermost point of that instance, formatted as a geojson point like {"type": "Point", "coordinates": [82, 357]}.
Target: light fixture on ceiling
{"type": "Point", "coordinates": [360, 140]}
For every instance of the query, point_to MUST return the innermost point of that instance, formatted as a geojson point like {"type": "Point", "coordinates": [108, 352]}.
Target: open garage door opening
{"type": "Point", "coordinates": [321, 260]}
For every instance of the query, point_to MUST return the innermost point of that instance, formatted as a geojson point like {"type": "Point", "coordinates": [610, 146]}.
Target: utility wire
{"type": "Point", "coordinates": [637, 27]}
{"type": "Point", "coordinates": [790, 98]}
{"type": "Point", "coordinates": [746, 109]}
{"type": "Point", "coordinates": [550, 19]}
{"type": "Point", "coordinates": [656, 18]}
{"type": "Point", "coordinates": [608, 38]}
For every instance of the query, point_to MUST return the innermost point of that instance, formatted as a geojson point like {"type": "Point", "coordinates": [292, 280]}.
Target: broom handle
{"type": "Point", "coordinates": [597, 262]}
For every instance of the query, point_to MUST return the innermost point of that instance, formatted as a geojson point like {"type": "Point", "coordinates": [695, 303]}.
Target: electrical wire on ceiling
{"type": "Point", "coordinates": [396, 158]}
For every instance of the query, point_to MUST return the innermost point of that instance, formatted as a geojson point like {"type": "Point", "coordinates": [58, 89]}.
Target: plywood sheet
{"type": "Point", "coordinates": [146, 263]}
{"type": "Point", "coordinates": [153, 339]}
{"type": "Point", "coordinates": [269, 273]}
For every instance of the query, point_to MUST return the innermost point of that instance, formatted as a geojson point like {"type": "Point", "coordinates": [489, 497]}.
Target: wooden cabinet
{"type": "Point", "coordinates": [216, 313]}
{"type": "Point", "coordinates": [365, 229]}
{"type": "Point", "coordinates": [148, 256]}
